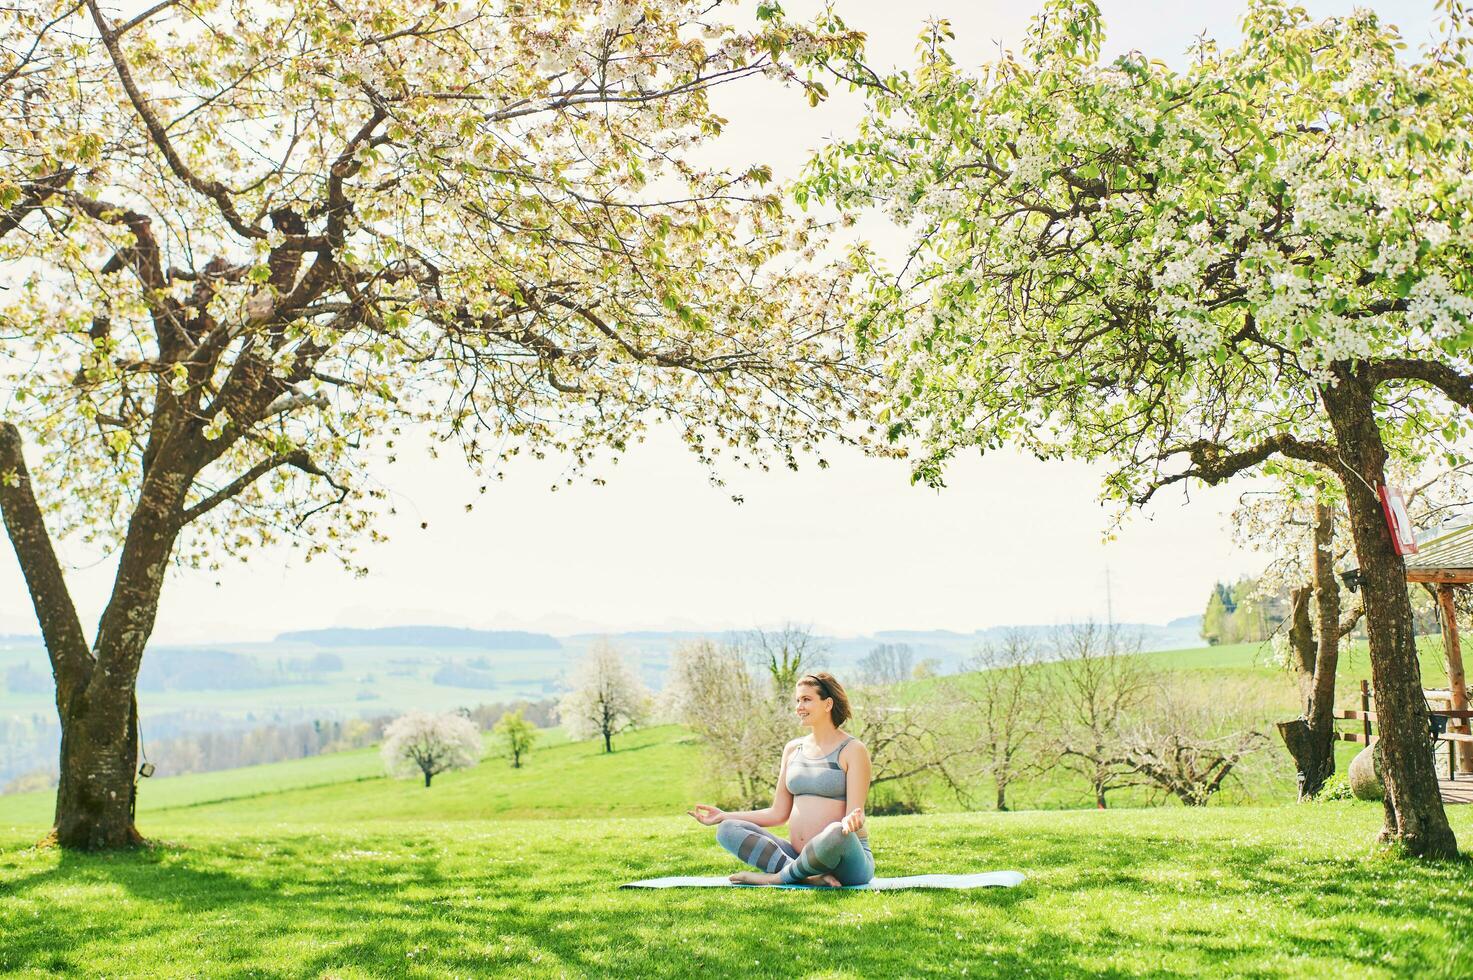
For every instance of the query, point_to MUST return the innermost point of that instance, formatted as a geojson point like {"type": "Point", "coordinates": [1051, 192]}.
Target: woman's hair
{"type": "Point", "coordinates": [829, 687]}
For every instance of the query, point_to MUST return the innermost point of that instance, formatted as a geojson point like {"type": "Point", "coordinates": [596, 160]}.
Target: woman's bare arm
{"type": "Point", "coordinates": [857, 774]}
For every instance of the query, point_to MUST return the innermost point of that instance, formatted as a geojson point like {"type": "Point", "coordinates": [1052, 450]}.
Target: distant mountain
{"type": "Point", "coordinates": [910, 636]}
{"type": "Point", "coordinates": [1186, 622]}
{"type": "Point", "coordinates": [423, 636]}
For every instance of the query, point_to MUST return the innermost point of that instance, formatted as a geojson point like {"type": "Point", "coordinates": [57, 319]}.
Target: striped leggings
{"type": "Point", "coordinates": [845, 856]}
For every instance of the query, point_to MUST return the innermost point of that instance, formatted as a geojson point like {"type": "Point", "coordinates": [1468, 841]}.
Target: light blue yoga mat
{"type": "Point", "coordinates": [988, 879]}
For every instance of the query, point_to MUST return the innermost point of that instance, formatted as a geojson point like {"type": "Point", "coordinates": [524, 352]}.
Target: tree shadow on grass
{"type": "Point", "coordinates": [541, 899]}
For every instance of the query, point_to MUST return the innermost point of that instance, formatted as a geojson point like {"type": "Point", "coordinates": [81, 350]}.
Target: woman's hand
{"type": "Point", "coordinates": [708, 814]}
{"type": "Point", "coordinates": [854, 822]}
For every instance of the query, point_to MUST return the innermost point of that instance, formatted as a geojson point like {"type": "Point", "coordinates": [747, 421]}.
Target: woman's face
{"type": "Point", "coordinates": [807, 704]}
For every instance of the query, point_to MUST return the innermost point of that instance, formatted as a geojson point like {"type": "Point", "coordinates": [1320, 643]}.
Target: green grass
{"type": "Point", "coordinates": [323, 868]}
{"type": "Point", "coordinates": [1294, 891]}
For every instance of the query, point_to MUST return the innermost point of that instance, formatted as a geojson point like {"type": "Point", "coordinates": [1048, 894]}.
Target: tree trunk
{"type": "Point", "coordinates": [1002, 796]}
{"type": "Point", "coordinates": [428, 776]}
{"type": "Point", "coordinates": [1099, 796]}
{"type": "Point", "coordinates": [96, 795]}
{"type": "Point", "coordinates": [1313, 753]}
{"type": "Point", "coordinates": [1301, 640]}
{"type": "Point", "coordinates": [1311, 738]}
{"type": "Point", "coordinates": [1415, 818]}
{"type": "Point", "coordinates": [608, 741]}
{"type": "Point", "coordinates": [97, 710]}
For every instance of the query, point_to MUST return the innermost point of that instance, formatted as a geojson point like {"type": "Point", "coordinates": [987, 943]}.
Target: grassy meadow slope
{"type": "Point", "coordinates": [658, 770]}
{"type": "Point", "coordinates": [652, 772]}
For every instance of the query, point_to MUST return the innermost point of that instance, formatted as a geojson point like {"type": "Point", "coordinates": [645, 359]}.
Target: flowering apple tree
{"type": "Point", "coordinates": [1189, 274]}
{"type": "Point", "coordinates": [244, 244]}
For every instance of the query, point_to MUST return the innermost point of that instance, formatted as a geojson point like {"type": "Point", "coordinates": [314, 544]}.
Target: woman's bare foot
{"type": "Point", "coordinates": [754, 878]}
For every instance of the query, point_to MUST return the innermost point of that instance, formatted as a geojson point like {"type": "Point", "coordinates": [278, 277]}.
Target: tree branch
{"type": "Point", "coordinates": [125, 28]}
{"type": "Point", "coordinates": [1452, 383]}
{"type": "Point", "coordinates": [212, 189]}
{"type": "Point", "coordinates": [32, 197]}
{"type": "Point", "coordinates": [1212, 464]}
{"type": "Point", "coordinates": [297, 458]}
{"type": "Point", "coordinates": [66, 644]}
{"type": "Point", "coordinates": [1349, 622]}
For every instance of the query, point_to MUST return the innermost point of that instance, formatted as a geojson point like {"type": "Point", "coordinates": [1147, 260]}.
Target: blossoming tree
{"type": "Point", "coordinates": [1191, 275]}
{"type": "Point", "coordinates": [244, 244]}
{"type": "Point", "coordinates": [605, 697]}
{"type": "Point", "coordinates": [422, 745]}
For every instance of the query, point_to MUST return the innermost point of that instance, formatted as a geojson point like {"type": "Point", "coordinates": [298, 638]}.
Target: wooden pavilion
{"type": "Point", "coordinates": [1444, 563]}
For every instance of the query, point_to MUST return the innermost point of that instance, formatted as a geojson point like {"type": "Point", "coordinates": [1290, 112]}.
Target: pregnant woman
{"type": "Point", "coordinates": [822, 785]}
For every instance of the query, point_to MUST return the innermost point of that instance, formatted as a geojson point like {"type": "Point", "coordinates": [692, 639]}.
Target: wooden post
{"type": "Point", "coordinates": [1365, 709]}
{"type": "Point", "coordinates": [1456, 681]}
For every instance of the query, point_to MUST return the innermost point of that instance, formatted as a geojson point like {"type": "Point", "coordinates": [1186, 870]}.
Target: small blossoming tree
{"type": "Point", "coordinates": [1190, 275]}
{"type": "Point", "coordinates": [606, 697]}
{"type": "Point", "coordinates": [419, 744]}
{"type": "Point", "coordinates": [1302, 530]}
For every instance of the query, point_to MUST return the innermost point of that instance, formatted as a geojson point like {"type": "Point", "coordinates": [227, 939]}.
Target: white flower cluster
{"type": "Point", "coordinates": [1434, 307]}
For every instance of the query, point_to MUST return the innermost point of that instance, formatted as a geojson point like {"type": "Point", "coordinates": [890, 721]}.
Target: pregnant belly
{"type": "Point", "coordinates": [811, 814]}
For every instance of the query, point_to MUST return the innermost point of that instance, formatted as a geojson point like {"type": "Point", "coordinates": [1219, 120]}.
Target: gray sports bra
{"type": "Point", "coordinates": [817, 777]}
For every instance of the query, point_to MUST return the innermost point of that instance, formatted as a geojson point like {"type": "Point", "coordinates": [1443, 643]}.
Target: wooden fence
{"type": "Point", "coordinates": [1441, 718]}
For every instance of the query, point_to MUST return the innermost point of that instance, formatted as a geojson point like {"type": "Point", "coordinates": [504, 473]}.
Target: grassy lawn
{"type": "Point", "coordinates": [1292, 891]}
{"type": "Point", "coordinates": [323, 868]}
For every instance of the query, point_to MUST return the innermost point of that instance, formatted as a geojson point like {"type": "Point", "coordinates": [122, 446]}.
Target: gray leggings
{"type": "Point", "coordinates": [845, 856]}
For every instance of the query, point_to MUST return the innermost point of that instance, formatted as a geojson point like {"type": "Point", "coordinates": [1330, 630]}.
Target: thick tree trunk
{"type": "Point", "coordinates": [1415, 818]}
{"type": "Point", "coordinates": [608, 741]}
{"type": "Point", "coordinates": [1099, 797]}
{"type": "Point", "coordinates": [95, 798]}
{"type": "Point", "coordinates": [428, 776]}
{"type": "Point", "coordinates": [99, 716]}
{"type": "Point", "coordinates": [1002, 797]}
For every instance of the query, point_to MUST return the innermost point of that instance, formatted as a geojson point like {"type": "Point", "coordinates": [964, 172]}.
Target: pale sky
{"type": "Point", "coordinates": [851, 549]}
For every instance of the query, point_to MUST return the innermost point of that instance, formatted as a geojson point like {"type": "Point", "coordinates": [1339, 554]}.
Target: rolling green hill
{"type": "Point", "coordinates": [656, 771]}
{"type": "Point", "coordinates": [652, 772]}
{"type": "Point", "coordinates": [1354, 665]}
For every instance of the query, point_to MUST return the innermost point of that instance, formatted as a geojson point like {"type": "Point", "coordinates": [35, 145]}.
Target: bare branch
{"type": "Point", "coordinates": [297, 458]}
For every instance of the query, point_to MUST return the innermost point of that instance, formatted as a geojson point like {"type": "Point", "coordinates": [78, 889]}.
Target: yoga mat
{"type": "Point", "coordinates": [988, 879]}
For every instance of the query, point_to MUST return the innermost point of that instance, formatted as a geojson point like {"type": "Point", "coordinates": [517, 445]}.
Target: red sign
{"type": "Point", "coordinates": [1397, 519]}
